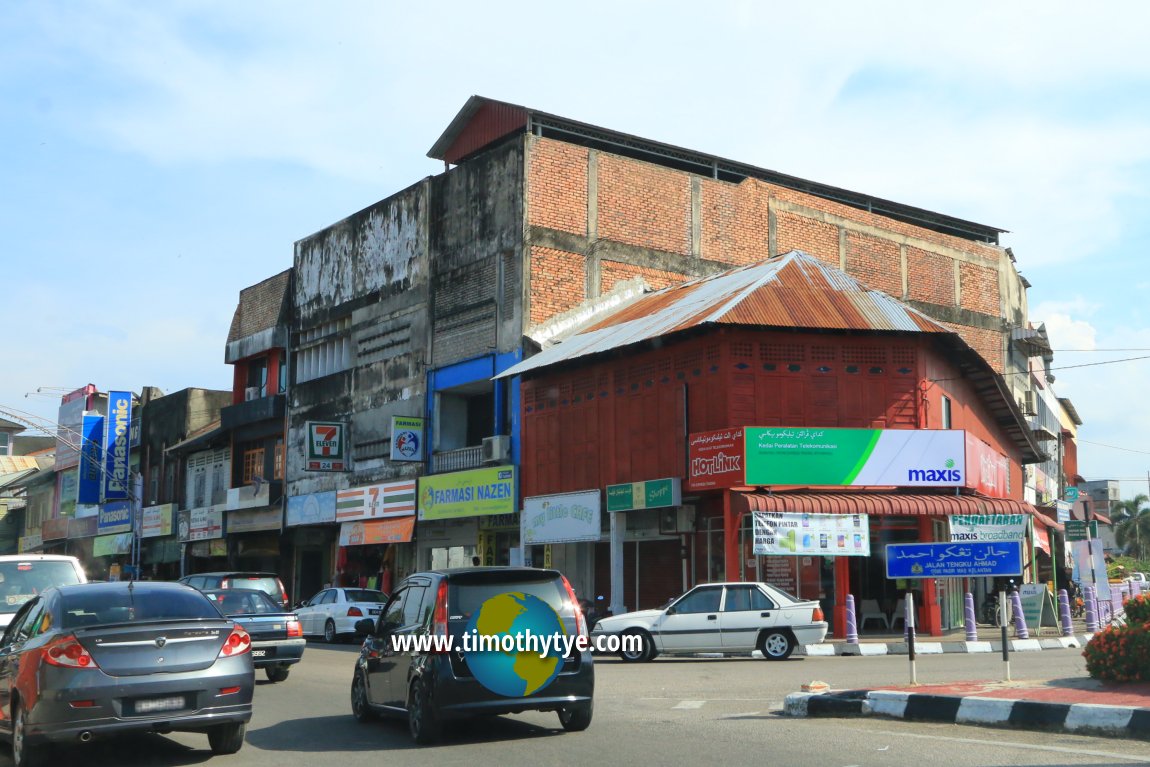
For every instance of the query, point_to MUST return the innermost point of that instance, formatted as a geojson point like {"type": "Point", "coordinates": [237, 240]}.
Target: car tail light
{"type": "Point", "coordinates": [354, 612]}
{"type": "Point", "coordinates": [439, 617]}
{"type": "Point", "coordinates": [229, 690]}
{"type": "Point", "coordinates": [67, 652]}
{"type": "Point", "coordinates": [283, 593]}
{"type": "Point", "coordinates": [237, 643]}
{"type": "Point", "coordinates": [294, 629]}
{"type": "Point", "coordinates": [817, 615]}
{"type": "Point", "coordinates": [580, 624]}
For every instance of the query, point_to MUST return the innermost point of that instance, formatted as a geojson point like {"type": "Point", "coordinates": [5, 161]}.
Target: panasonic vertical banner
{"type": "Point", "coordinates": [91, 459]}
{"type": "Point", "coordinates": [117, 433]}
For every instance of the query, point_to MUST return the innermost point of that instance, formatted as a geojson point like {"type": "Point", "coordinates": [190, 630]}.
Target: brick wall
{"type": "Point", "coordinates": [876, 262]}
{"type": "Point", "coordinates": [644, 205]}
{"type": "Point", "coordinates": [735, 225]}
{"type": "Point", "coordinates": [933, 277]}
{"type": "Point", "coordinates": [979, 288]}
{"type": "Point", "coordinates": [670, 226]}
{"type": "Point", "coordinates": [557, 184]}
{"type": "Point", "coordinates": [558, 282]}
{"type": "Point", "coordinates": [795, 232]}
{"type": "Point", "coordinates": [614, 272]}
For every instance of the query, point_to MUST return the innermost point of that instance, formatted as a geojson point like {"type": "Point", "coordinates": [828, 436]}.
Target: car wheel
{"type": "Point", "coordinates": [277, 673]}
{"type": "Point", "coordinates": [645, 651]}
{"type": "Point", "coordinates": [329, 634]}
{"type": "Point", "coordinates": [226, 738]}
{"type": "Point", "coordinates": [22, 754]}
{"type": "Point", "coordinates": [360, 708]}
{"type": "Point", "coordinates": [423, 714]}
{"type": "Point", "coordinates": [777, 645]}
{"type": "Point", "coordinates": [576, 718]}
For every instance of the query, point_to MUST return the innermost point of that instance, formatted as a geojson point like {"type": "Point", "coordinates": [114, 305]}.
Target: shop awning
{"type": "Point", "coordinates": [1041, 516]}
{"type": "Point", "coordinates": [378, 531]}
{"type": "Point", "coordinates": [880, 503]}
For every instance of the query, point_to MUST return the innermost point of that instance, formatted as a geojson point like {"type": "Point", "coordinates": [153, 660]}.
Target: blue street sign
{"type": "Point", "coordinates": [953, 560]}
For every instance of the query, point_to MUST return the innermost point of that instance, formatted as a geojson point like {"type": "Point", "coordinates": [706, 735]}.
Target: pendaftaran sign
{"type": "Point", "coordinates": [965, 528]}
{"type": "Point", "coordinates": [856, 457]}
{"type": "Point", "coordinates": [473, 493]}
{"type": "Point", "coordinates": [824, 535]}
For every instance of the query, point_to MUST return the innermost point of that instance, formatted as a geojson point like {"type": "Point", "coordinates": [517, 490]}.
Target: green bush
{"type": "Point", "coordinates": [1122, 653]}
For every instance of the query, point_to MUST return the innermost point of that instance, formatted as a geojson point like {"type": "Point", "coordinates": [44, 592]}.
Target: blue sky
{"type": "Point", "coordinates": [156, 158]}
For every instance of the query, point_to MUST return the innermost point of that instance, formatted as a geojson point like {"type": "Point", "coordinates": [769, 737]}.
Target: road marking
{"type": "Point", "coordinates": [1022, 746]}
{"type": "Point", "coordinates": [687, 704]}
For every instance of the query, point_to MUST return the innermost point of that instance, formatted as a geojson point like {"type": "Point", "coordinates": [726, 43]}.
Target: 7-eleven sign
{"type": "Point", "coordinates": [326, 446]}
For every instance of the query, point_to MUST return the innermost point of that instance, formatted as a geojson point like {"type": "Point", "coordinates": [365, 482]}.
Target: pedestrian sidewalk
{"type": "Point", "coordinates": [1076, 705]}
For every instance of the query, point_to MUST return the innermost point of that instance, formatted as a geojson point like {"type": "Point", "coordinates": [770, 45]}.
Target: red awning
{"type": "Point", "coordinates": [879, 503]}
{"type": "Point", "coordinates": [1102, 518]}
{"type": "Point", "coordinates": [1040, 515]}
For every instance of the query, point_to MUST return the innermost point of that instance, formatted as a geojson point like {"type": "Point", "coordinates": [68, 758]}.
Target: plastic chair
{"type": "Point", "coordinates": [870, 612]}
{"type": "Point", "coordinates": [899, 613]}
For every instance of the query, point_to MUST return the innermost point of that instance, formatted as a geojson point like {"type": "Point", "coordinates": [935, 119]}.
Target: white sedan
{"type": "Point", "coordinates": [333, 613]}
{"type": "Point", "coordinates": [734, 618]}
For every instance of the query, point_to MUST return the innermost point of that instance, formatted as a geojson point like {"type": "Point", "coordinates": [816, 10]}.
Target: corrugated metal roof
{"type": "Point", "coordinates": [9, 464]}
{"type": "Point", "coordinates": [794, 291]}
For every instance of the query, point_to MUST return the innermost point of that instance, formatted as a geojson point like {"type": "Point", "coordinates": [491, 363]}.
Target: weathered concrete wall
{"type": "Point", "coordinates": [476, 229]}
{"type": "Point", "coordinates": [371, 268]}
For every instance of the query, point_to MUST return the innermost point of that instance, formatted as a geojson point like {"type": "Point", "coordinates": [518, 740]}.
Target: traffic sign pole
{"type": "Point", "coordinates": [1005, 641]}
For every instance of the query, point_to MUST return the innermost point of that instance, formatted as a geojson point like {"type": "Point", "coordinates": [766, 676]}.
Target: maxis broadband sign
{"type": "Point", "coordinates": [761, 456]}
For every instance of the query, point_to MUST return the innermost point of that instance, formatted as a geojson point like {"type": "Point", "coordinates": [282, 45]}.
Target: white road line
{"type": "Point", "coordinates": [690, 704]}
{"type": "Point", "coordinates": [1021, 746]}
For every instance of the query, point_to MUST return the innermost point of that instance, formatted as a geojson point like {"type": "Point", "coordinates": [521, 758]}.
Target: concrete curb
{"type": "Point", "coordinates": [827, 649]}
{"type": "Point", "coordinates": [1081, 718]}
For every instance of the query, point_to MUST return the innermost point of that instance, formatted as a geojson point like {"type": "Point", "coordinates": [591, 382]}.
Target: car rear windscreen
{"type": "Point", "coordinates": [97, 607]}
{"type": "Point", "coordinates": [467, 597]}
{"type": "Point", "coordinates": [267, 585]}
{"type": "Point", "coordinates": [365, 595]}
{"type": "Point", "coordinates": [20, 581]}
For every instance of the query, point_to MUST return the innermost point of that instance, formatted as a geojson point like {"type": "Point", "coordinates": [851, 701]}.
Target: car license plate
{"type": "Point", "coordinates": [374, 610]}
{"type": "Point", "coordinates": [159, 704]}
{"type": "Point", "coordinates": [259, 653]}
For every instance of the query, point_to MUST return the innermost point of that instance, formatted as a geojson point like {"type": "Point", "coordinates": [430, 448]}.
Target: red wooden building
{"type": "Point", "coordinates": [789, 342]}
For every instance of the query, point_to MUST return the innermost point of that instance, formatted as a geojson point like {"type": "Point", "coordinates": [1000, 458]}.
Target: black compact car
{"type": "Point", "coordinates": [432, 685]}
{"type": "Point", "coordinates": [269, 583]}
{"type": "Point", "coordinates": [78, 662]}
{"type": "Point", "coordinates": [277, 637]}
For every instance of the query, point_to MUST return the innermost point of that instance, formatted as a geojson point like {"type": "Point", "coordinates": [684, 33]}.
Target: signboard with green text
{"type": "Point", "coordinates": [855, 457]}
{"type": "Point", "coordinates": [651, 494]}
{"type": "Point", "coordinates": [467, 493]}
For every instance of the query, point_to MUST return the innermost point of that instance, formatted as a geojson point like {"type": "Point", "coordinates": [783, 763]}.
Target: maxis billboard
{"type": "Point", "coordinates": [828, 457]}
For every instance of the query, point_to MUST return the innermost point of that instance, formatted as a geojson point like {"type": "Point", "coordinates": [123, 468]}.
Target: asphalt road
{"type": "Point", "coordinates": [671, 711]}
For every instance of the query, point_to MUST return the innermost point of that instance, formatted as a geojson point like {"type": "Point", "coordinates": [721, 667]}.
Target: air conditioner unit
{"type": "Point", "coordinates": [496, 449]}
{"type": "Point", "coordinates": [1028, 406]}
{"type": "Point", "coordinates": [250, 393]}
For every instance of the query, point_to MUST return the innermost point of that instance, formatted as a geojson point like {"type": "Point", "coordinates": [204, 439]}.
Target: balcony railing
{"type": "Point", "coordinates": [457, 460]}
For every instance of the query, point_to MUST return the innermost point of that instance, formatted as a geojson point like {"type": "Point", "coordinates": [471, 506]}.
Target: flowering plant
{"type": "Point", "coordinates": [1122, 653]}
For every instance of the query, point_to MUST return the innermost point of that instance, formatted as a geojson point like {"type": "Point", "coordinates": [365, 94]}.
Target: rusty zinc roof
{"type": "Point", "coordinates": [795, 290]}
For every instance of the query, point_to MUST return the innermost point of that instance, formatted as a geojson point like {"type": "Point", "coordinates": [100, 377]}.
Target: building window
{"type": "Point", "coordinates": [5, 446]}
{"type": "Point", "coordinates": [278, 470]}
{"type": "Point", "coordinates": [257, 382]}
{"type": "Point", "coordinates": [253, 464]}
{"type": "Point", "coordinates": [946, 421]}
{"type": "Point", "coordinates": [282, 374]}
{"type": "Point", "coordinates": [323, 350]}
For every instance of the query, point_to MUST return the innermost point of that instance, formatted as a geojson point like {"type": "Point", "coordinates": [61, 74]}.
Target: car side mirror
{"type": "Point", "coordinates": [670, 611]}
{"type": "Point", "coordinates": [365, 626]}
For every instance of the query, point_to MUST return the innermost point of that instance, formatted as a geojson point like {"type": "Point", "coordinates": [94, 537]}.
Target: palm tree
{"type": "Point", "coordinates": [1133, 531]}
